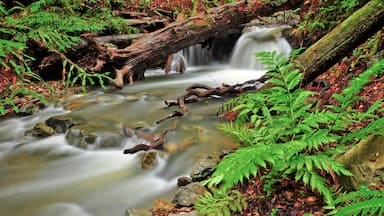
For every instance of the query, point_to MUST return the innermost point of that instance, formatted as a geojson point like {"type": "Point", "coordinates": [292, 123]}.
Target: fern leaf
{"type": "Point", "coordinates": [373, 205]}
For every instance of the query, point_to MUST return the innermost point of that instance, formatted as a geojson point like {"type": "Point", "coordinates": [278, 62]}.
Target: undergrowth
{"type": "Point", "coordinates": [282, 132]}
{"type": "Point", "coordinates": [56, 26]}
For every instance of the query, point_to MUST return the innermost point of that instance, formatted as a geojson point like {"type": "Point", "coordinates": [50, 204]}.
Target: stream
{"type": "Point", "coordinates": [52, 176]}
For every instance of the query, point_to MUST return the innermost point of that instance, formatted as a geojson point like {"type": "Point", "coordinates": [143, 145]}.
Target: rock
{"type": "Point", "coordinates": [41, 130]}
{"type": "Point", "coordinates": [182, 181]}
{"type": "Point", "coordinates": [86, 137]}
{"type": "Point", "coordinates": [148, 159]}
{"type": "Point", "coordinates": [28, 109]}
{"type": "Point", "coordinates": [62, 123]}
{"type": "Point", "coordinates": [138, 212]}
{"type": "Point", "coordinates": [162, 206]}
{"type": "Point", "coordinates": [366, 162]}
{"type": "Point", "coordinates": [186, 196]}
{"type": "Point", "coordinates": [192, 213]}
{"type": "Point", "coordinates": [204, 166]}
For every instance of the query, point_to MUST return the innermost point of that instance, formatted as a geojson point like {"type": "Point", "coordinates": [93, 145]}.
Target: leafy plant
{"type": "Point", "coordinates": [283, 133]}
{"type": "Point", "coordinates": [221, 203]}
{"type": "Point", "coordinates": [54, 25]}
{"type": "Point", "coordinates": [365, 201]}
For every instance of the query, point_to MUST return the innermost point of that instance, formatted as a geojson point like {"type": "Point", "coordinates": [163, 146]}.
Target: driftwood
{"type": "Point", "coordinates": [203, 91]}
{"type": "Point", "coordinates": [155, 142]}
{"type": "Point", "coordinates": [154, 47]}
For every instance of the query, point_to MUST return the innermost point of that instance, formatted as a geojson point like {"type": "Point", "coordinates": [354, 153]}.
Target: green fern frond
{"type": "Point", "coordinates": [230, 171]}
{"type": "Point", "coordinates": [374, 206]}
{"type": "Point", "coordinates": [220, 202]}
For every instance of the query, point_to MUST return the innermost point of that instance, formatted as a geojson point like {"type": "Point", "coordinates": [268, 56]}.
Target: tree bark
{"type": "Point", "coordinates": [342, 40]}
{"type": "Point", "coordinates": [147, 51]}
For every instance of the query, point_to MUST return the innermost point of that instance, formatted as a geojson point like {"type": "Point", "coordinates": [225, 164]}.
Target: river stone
{"type": "Point", "coordinates": [41, 130]}
{"type": "Point", "coordinates": [183, 180]}
{"type": "Point", "coordinates": [63, 122]}
{"type": "Point", "coordinates": [186, 196]}
{"type": "Point", "coordinates": [163, 206]}
{"type": "Point", "coordinates": [192, 213]}
{"type": "Point", "coordinates": [85, 137]}
{"type": "Point", "coordinates": [148, 160]}
{"type": "Point", "coordinates": [204, 166]}
{"type": "Point", "coordinates": [138, 212]}
{"type": "Point", "coordinates": [366, 162]}
{"type": "Point", "coordinates": [28, 109]}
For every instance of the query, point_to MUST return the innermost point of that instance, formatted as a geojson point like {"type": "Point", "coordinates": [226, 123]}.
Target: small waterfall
{"type": "Point", "coordinates": [198, 55]}
{"type": "Point", "coordinates": [176, 63]}
{"type": "Point", "coordinates": [258, 39]}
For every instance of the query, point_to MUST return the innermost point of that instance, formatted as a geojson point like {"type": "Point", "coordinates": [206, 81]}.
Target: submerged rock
{"type": "Point", "coordinates": [62, 123]}
{"type": "Point", "coordinates": [86, 137]}
{"type": "Point", "coordinates": [204, 166]}
{"type": "Point", "coordinates": [148, 160]}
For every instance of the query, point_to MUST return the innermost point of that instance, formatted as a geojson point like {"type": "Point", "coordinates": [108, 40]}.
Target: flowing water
{"type": "Point", "coordinates": [49, 176]}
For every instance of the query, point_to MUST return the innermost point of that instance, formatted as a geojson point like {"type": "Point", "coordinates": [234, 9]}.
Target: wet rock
{"type": "Point", "coordinates": [28, 109]}
{"type": "Point", "coordinates": [204, 166]}
{"type": "Point", "coordinates": [86, 137]}
{"type": "Point", "coordinates": [41, 130]}
{"type": "Point", "coordinates": [62, 123]}
{"type": "Point", "coordinates": [148, 160]}
{"type": "Point", "coordinates": [187, 196]}
{"type": "Point", "coordinates": [182, 181]}
{"type": "Point", "coordinates": [192, 213]}
{"type": "Point", "coordinates": [162, 206]}
{"type": "Point", "coordinates": [366, 162]}
{"type": "Point", "coordinates": [138, 212]}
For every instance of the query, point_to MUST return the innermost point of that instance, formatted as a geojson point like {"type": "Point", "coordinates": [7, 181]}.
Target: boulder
{"type": "Point", "coordinates": [41, 130]}
{"type": "Point", "coordinates": [63, 122]}
{"type": "Point", "coordinates": [204, 166]}
{"type": "Point", "coordinates": [186, 196]}
{"type": "Point", "coordinates": [366, 162]}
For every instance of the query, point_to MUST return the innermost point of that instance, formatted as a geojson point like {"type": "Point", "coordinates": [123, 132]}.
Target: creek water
{"type": "Point", "coordinates": [49, 176]}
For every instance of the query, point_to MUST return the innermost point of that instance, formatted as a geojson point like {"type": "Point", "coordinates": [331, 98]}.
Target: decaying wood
{"type": "Point", "coordinates": [155, 143]}
{"type": "Point", "coordinates": [342, 40]}
{"type": "Point", "coordinates": [203, 91]}
{"type": "Point", "coordinates": [147, 51]}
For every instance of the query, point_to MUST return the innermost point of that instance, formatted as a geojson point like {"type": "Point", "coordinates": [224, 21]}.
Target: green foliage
{"type": "Point", "coordinates": [55, 25]}
{"type": "Point", "coordinates": [220, 203]}
{"type": "Point", "coordinates": [323, 14]}
{"type": "Point", "coordinates": [283, 132]}
{"type": "Point", "coordinates": [365, 201]}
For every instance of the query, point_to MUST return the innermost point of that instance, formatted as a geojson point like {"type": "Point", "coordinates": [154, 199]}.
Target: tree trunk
{"type": "Point", "coordinates": [147, 51]}
{"type": "Point", "coordinates": [342, 40]}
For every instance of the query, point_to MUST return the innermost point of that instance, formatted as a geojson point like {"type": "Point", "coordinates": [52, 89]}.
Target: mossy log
{"type": "Point", "coordinates": [156, 46]}
{"type": "Point", "coordinates": [342, 40]}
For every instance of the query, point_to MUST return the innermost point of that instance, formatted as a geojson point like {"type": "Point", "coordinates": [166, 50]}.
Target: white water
{"type": "Point", "coordinates": [48, 176]}
{"type": "Point", "coordinates": [258, 39]}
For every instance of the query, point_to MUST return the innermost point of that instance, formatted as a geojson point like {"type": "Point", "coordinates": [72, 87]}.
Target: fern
{"type": "Point", "coordinates": [365, 201]}
{"type": "Point", "coordinates": [280, 130]}
{"type": "Point", "coordinates": [220, 202]}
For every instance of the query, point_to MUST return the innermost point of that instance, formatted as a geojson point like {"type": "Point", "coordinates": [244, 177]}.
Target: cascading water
{"type": "Point", "coordinates": [50, 176]}
{"type": "Point", "coordinates": [198, 55]}
{"type": "Point", "coordinates": [258, 39]}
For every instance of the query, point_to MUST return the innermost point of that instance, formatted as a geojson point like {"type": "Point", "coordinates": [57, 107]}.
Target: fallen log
{"type": "Point", "coordinates": [342, 40]}
{"type": "Point", "coordinates": [156, 46]}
